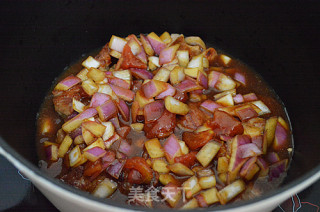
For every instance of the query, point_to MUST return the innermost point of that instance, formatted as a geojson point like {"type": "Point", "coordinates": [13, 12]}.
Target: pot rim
{"type": "Point", "coordinates": [287, 190]}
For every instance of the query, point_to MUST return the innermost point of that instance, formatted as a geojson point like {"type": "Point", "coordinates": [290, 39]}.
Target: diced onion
{"type": "Point", "coordinates": [105, 188]}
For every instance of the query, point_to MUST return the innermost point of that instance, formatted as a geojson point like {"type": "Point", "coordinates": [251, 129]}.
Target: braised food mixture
{"type": "Point", "coordinates": [164, 122]}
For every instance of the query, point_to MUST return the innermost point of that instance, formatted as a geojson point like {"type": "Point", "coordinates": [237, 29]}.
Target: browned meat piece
{"type": "Point", "coordinates": [224, 124]}
{"type": "Point", "coordinates": [62, 100]}
{"type": "Point", "coordinates": [104, 56]}
{"type": "Point", "coordinates": [162, 127]}
{"type": "Point", "coordinates": [194, 119]}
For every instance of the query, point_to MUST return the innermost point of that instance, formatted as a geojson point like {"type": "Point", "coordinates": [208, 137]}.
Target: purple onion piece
{"type": "Point", "coordinates": [249, 150]}
{"type": "Point", "coordinates": [141, 73]}
{"type": "Point", "coordinates": [273, 157]}
{"type": "Point", "coordinates": [125, 147]}
{"type": "Point", "coordinates": [277, 169]}
{"type": "Point", "coordinates": [115, 168]}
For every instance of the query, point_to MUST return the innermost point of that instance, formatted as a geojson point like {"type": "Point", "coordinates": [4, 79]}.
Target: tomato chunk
{"type": "Point", "coordinates": [92, 168]}
{"type": "Point", "coordinates": [182, 97]}
{"type": "Point", "coordinates": [135, 177]}
{"type": "Point", "coordinates": [128, 60]}
{"type": "Point", "coordinates": [194, 119]}
{"type": "Point", "coordinates": [196, 140]}
{"type": "Point", "coordinates": [104, 56]}
{"type": "Point", "coordinates": [187, 159]}
{"type": "Point", "coordinates": [139, 164]}
{"type": "Point", "coordinates": [62, 100]}
{"type": "Point", "coordinates": [162, 127]}
{"type": "Point", "coordinates": [224, 124]}
{"type": "Point", "coordinates": [123, 131]}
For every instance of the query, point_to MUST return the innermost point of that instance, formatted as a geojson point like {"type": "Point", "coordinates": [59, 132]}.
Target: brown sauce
{"type": "Point", "coordinates": [58, 169]}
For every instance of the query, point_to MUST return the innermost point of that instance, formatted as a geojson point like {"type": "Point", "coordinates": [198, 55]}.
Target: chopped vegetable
{"type": "Point", "coordinates": [172, 194]}
{"type": "Point", "coordinates": [191, 186]}
{"type": "Point", "coordinates": [52, 152]}
{"type": "Point", "coordinates": [153, 111]}
{"type": "Point", "coordinates": [75, 122]}
{"type": "Point", "coordinates": [141, 73]}
{"type": "Point", "coordinates": [90, 62]}
{"type": "Point", "coordinates": [209, 196]}
{"type": "Point", "coordinates": [67, 83]}
{"type": "Point", "coordinates": [249, 169]}
{"type": "Point", "coordinates": [167, 178]}
{"type": "Point", "coordinates": [64, 146]}
{"type": "Point", "coordinates": [154, 148]}
{"type": "Point", "coordinates": [270, 129]}
{"type": "Point", "coordinates": [196, 140]}
{"type": "Point", "coordinates": [94, 153]}
{"type": "Point", "coordinates": [105, 188]}
{"type": "Point", "coordinates": [123, 93]}
{"type": "Point", "coordinates": [193, 203]}
{"type": "Point", "coordinates": [180, 169]}
{"type": "Point", "coordinates": [171, 91]}
{"type": "Point", "coordinates": [125, 147]}
{"type": "Point", "coordinates": [160, 166]}
{"type": "Point", "coordinates": [146, 45]}
{"type": "Point", "coordinates": [280, 137]}
{"type": "Point", "coordinates": [115, 168]}
{"type": "Point", "coordinates": [276, 169]}
{"type": "Point", "coordinates": [167, 54]}
{"type": "Point", "coordinates": [169, 116]}
{"type": "Point", "coordinates": [137, 126]}
{"type": "Point", "coordinates": [188, 85]}
{"type": "Point", "coordinates": [224, 124]}
{"type": "Point", "coordinates": [94, 127]}
{"type": "Point", "coordinates": [231, 191]}
{"type": "Point", "coordinates": [153, 88]}
{"type": "Point", "coordinates": [207, 152]}
{"type": "Point", "coordinates": [116, 43]}
{"type": "Point", "coordinates": [172, 148]}
{"type": "Point", "coordinates": [187, 159]}
{"type": "Point", "coordinates": [175, 106]}
{"type": "Point", "coordinates": [157, 44]}
{"type": "Point", "coordinates": [141, 166]}
{"type": "Point", "coordinates": [107, 110]}
{"type": "Point", "coordinates": [207, 182]}
{"type": "Point", "coordinates": [183, 57]}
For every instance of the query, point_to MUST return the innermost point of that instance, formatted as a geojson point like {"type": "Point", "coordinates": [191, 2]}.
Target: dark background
{"type": "Point", "coordinates": [279, 39]}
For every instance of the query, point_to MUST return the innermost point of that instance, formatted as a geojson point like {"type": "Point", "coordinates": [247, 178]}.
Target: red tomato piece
{"type": "Point", "coordinates": [140, 165]}
{"type": "Point", "coordinates": [123, 131]}
{"type": "Point", "coordinates": [92, 168]}
{"type": "Point", "coordinates": [194, 119]}
{"type": "Point", "coordinates": [161, 128]}
{"type": "Point", "coordinates": [135, 177]}
{"type": "Point", "coordinates": [197, 140]}
{"type": "Point", "coordinates": [187, 159]}
{"type": "Point", "coordinates": [224, 124]}
{"type": "Point", "coordinates": [104, 56]}
{"type": "Point", "coordinates": [129, 60]}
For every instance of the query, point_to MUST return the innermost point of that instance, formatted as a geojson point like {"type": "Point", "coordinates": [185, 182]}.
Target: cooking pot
{"type": "Point", "coordinates": [280, 40]}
